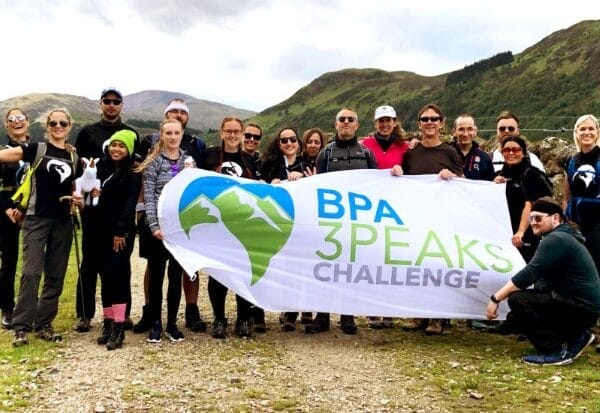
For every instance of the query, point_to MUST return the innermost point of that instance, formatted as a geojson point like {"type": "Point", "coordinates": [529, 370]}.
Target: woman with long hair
{"type": "Point", "coordinates": [583, 183]}
{"type": "Point", "coordinates": [524, 185]}
{"type": "Point", "coordinates": [313, 141]}
{"type": "Point", "coordinates": [229, 159]}
{"type": "Point", "coordinates": [16, 122]}
{"type": "Point", "coordinates": [115, 215]}
{"type": "Point", "coordinates": [47, 227]}
{"type": "Point", "coordinates": [165, 161]}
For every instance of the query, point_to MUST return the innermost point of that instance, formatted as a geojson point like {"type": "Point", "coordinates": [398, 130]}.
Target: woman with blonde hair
{"type": "Point", "coordinates": [163, 163]}
{"type": "Point", "coordinates": [582, 189]}
{"type": "Point", "coordinates": [47, 227]}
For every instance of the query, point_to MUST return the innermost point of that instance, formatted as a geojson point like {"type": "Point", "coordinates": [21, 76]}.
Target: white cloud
{"type": "Point", "coordinates": [256, 53]}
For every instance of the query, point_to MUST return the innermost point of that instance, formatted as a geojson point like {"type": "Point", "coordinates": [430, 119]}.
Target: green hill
{"type": "Point", "coordinates": [548, 85]}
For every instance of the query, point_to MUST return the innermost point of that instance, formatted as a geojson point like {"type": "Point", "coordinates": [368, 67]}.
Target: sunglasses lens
{"type": "Point", "coordinates": [115, 102]}
{"type": "Point", "coordinates": [426, 119]}
{"type": "Point", "coordinates": [343, 119]}
{"type": "Point", "coordinates": [16, 118]}
{"type": "Point", "coordinates": [507, 128]}
{"type": "Point", "coordinates": [252, 136]}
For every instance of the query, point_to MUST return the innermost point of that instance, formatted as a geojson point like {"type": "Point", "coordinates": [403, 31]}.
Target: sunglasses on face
{"type": "Point", "coordinates": [115, 102]}
{"type": "Point", "coordinates": [537, 218]}
{"type": "Point", "coordinates": [16, 118]}
{"type": "Point", "coordinates": [249, 136]}
{"type": "Point", "coordinates": [291, 139]}
{"type": "Point", "coordinates": [512, 150]}
{"type": "Point", "coordinates": [62, 123]}
{"type": "Point", "coordinates": [343, 119]}
{"type": "Point", "coordinates": [507, 128]}
{"type": "Point", "coordinates": [426, 119]}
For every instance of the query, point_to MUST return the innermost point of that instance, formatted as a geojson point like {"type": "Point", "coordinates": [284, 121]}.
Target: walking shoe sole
{"type": "Point", "coordinates": [153, 340]}
{"type": "Point", "coordinates": [563, 362]}
{"type": "Point", "coordinates": [590, 341]}
{"type": "Point", "coordinates": [173, 339]}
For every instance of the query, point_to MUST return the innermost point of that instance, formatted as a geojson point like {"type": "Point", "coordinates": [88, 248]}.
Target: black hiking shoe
{"type": "Point", "coordinates": [47, 333]}
{"type": "Point", "coordinates": [84, 325]}
{"type": "Point", "coordinates": [347, 324]}
{"type": "Point", "coordinates": [219, 328]}
{"type": "Point", "coordinates": [319, 324]}
{"type": "Point", "coordinates": [117, 337]}
{"type": "Point", "coordinates": [242, 328]}
{"type": "Point", "coordinates": [107, 327]}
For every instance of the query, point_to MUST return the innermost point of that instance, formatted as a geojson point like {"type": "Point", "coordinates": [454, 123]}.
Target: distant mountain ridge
{"type": "Point", "coordinates": [548, 85]}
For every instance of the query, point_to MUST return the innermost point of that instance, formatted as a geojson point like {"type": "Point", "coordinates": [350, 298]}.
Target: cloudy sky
{"type": "Point", "coordinates": [255, 53]}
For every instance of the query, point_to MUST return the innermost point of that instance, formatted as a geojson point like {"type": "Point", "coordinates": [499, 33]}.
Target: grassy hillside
{"type": "Point", "coordinates": [548, 85]}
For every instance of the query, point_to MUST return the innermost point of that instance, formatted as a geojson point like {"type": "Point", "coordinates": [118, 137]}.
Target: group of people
{"type": "Point", "coordinates": [132, 173]}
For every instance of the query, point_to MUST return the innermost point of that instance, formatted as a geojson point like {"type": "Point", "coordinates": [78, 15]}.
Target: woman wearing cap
{"type": "Point", "coordinates": [583, 183]}
{"type": "Point", "coordinates": [47, 228]}
{"type": "Point", "coordinates": [313, 141]}
{"type": "Point", "coordinates": [17, 126]}
{"type": "Point", "coordinates": [115, 214]}
{"type": "Point", "coordinates": [229, 159]}
{"type": "Point", "coordinates": [165, 160]}
{"type": "Point", "coordinates": [524, 185]}
{"type": "Point", "coordinates": [388, 145]}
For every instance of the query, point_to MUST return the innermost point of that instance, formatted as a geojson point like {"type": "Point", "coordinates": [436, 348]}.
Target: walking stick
{"type": "Point", "coordinates": [73, 212]}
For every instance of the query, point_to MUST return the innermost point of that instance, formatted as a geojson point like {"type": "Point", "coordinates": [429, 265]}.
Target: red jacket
{"type": "Point", "coordinates": [386, 159]}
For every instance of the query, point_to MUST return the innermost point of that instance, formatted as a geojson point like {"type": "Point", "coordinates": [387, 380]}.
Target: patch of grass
{"type": "Point", "coordinates": [285, 404]}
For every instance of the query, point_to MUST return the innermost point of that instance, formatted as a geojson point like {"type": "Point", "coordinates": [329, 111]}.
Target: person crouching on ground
{"type": "Point", "coordinates": [556, 315]}
{"type": "Point", "coordinates": [116, 215]}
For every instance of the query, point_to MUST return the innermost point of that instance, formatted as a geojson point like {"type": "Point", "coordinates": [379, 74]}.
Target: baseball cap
{"type": "Point", "coordinates": [111, 89]}
{"type": "Point", "coordinates": [385, 111]}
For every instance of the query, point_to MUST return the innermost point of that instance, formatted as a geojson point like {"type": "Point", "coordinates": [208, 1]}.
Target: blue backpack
{"type": "Point", "coordinates": [583, 209]}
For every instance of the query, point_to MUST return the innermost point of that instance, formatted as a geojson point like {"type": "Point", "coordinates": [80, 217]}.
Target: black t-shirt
{"type": "Point", "coordinates": [53, 179]}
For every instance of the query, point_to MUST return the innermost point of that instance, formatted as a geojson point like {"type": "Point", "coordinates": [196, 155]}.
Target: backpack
{"type": "Point", "coordinates": [583, 209]}
{"type": "Point", "coordinates": [547, 181]}
{"type": "Point", "coordinates": [23, 193]}
{"type": "Point", "coordinates": [365, 154]}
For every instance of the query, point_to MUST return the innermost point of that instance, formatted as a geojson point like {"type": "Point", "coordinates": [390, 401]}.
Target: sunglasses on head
{"type": "Point", "coordinates": [291, 139]}
{"type": "Point", "coordinates": [252, 136]}
{"type": "Point", "coordinates": [426, 119]}
{"type": "Point", "coordinates": [512, 150]}
{"type": "Point", "coordinates": [62, 123]}
{"type": "Point", "coordinates": [343, 119]}
{"type": "Point", "coordinates": [537, 218]}
{"type": "Point", "coordinates": [16, 118]}
{"type": "Point", "coordinates": [507, 128]}
{"type": "Point", "coordinates": [115, 102]}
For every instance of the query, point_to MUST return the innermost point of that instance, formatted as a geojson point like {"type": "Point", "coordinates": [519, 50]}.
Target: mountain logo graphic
{"type": "Point", "coordinates": [259, 216]}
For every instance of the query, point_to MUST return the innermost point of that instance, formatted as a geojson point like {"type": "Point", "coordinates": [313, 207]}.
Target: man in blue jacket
{"type": "Point", "coordinates": [557, 314]}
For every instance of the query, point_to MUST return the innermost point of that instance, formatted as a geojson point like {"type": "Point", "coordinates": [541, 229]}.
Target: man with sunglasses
{"type": "Point", "coordinates": [556, 315]}
{"type": "Point", "coordinates": [507, 124]}
{"type": "Point", "coordinates": [90, 144]}
{"type": "Point", "coordinates": [344, 153]}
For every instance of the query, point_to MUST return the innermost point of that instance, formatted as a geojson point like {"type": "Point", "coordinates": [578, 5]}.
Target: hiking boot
{"type": "Point", "coordinates": [374, 323]}
{"type": "Point", "coordinates": [319, 324]}
{"type": "Point", "coordinates": [260, 325]}
{"type": "Point", "coordinates": [416, 324]}
{"type": "Point", "coordinates": [20, 338]}
{"type": "Point", "coordinates": [347, 324]}
{"type": "Point", "coordinates": [47, 333]}
{"type": "Point", "coordinates": [7, 317]}
{"type": "Point", "coordinates": [219, 328]}
{"type": "Point", "coordinates": [289, 324]}
{"type": "Point", "coordinates": [435, 327]}
{"type": "Point", "coordinates": [128, 323]}
{"type": "Point", "coordinates": [193, 320]}
{"type": "Point", "coordinates": [576, 347]}
{"type": "Point", "coordinates": [560, 358]}
{"type": "Point", "coordinates": [155, 333]}
{"type": "Point", "coordinates": [117, 336]}
{"type": "Point", "coordinates": [145, 322]}
{"type": "Point", "coordinates": [306, 318]}
{"type": "Point", "coordinates": [83, 326]}
{"type": "Point", "coordinates": [242, 328]}
{"type": "Point", "coordinates": [107, 327]}
{"type": "Point", "coordinates": [173, 333]}
{"type": "Point", "coordinates": [387, 322]}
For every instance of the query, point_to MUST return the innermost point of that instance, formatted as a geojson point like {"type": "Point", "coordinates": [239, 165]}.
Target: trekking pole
{"type": "Point", "coordinates": [73, 212]}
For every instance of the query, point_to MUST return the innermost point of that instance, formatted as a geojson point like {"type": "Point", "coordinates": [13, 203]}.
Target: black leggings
{"type": "Point", "coordinates": [157, 261]}
{"type": "Point", "coordinates": [217, 293]}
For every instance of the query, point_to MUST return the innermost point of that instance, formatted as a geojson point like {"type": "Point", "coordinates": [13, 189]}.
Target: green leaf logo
{"type": "Point", "coordinates": [260, 216]}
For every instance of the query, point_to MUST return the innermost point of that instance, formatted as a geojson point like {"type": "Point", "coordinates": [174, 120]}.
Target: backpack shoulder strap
{"type": "Point", "coordinates": [328, 151]}
{"type": "Point", "coordinates": [39, 154]}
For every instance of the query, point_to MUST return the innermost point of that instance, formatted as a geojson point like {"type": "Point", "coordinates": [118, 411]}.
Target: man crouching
{"type": "Point", "coordinates": [557, 313]}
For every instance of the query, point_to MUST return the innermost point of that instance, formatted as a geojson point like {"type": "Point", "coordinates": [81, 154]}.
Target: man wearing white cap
{"type": "Point", "coordinates": [194, 147]}
{"type": "Point", "coordinates": [89, 144]}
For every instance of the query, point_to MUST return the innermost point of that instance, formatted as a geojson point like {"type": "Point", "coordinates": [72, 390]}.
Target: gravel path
{"type": "Point", "coordinates": [275, 371]}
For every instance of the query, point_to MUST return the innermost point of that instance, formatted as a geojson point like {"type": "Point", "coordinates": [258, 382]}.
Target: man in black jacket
{"type": "Point", "coordinates": [89, 144]}
{"type": "Point", "coordinates": [557, 314]}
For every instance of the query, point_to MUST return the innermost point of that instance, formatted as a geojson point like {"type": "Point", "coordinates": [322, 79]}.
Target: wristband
{"type": "Point", "coordinates": [494, 299]}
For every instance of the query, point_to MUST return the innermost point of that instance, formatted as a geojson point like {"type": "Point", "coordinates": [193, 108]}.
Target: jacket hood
{"type": "Point", "coordinates": [570, 230]}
